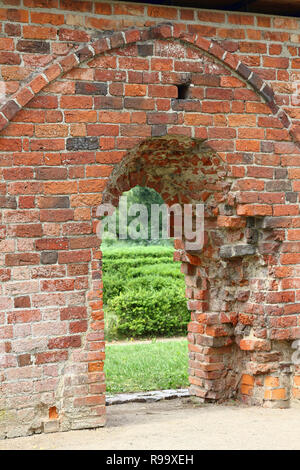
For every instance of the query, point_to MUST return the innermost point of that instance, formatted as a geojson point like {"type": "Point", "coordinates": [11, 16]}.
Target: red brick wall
{"type": "Point", "coordinates": [86, 113]}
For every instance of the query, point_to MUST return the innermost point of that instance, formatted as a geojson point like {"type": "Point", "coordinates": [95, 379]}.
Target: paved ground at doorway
{"type": "Point", "coordinates": [178, 424]}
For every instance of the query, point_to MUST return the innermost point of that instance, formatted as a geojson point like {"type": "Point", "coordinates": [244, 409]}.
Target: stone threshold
{"type": "Point", "coordinates": [146, 397]}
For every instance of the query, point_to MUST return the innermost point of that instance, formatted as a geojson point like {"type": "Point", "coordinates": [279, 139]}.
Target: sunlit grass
{"type": "Point", "coordinates": [146, 366]}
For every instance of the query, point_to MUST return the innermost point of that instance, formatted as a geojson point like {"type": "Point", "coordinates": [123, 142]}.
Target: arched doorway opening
{"type": "Point", "coordinates": [144, 303]}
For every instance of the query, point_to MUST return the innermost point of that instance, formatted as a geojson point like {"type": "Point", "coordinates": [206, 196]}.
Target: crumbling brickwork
{"type": "Point", "coordinates": [90, 109]}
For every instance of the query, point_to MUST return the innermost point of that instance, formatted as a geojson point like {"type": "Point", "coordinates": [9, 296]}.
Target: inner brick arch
{"type": "Point", "coordinates": [50, 203]}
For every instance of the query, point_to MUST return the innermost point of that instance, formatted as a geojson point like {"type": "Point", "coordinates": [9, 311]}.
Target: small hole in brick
{"type": "Point", "coordinates": [53, 413]}
{"type": "Point", "coordinates": [183, 91]}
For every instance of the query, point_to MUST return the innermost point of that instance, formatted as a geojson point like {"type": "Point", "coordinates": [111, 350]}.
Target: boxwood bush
{"type": "Point", "coordinates": [149, 312]}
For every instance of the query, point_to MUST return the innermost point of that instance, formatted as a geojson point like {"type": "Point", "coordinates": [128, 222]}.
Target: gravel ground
{"type": "Point", "coordinates": [178, 424]}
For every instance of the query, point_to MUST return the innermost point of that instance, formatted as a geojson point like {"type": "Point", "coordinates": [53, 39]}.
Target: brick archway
{"type": "Point", "coordinates": [226, 334]}
{"type": "Point", "coordinates": [94, 109]}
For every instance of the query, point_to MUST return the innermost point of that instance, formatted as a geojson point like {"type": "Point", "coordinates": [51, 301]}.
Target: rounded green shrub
{"type": "Point", "coordinates": [150, 312]}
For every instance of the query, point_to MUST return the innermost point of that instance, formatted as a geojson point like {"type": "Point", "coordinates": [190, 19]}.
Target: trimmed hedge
{"type": "Point", "coordinates": [139, 252]}
{"type": "Point", "coordinates": [114, 284]}
{"type": "Point", "coordinates": [144, 292]}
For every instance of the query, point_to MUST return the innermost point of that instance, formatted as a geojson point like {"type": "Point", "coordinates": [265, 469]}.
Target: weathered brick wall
{"type": "Point", "coordinates": [88, 114]}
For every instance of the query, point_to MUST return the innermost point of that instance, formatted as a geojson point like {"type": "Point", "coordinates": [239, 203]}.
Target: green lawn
{"type": "Point", "coordinates": [146, 366]}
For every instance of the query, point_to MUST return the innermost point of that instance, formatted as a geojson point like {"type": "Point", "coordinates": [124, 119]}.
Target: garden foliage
{"type": "Point", "coordinates": [144, 292]}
